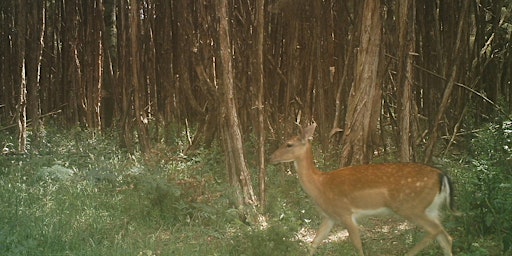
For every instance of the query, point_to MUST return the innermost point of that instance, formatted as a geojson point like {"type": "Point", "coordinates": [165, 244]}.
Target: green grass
{"type": "Point", "coordinates": [81, 194]}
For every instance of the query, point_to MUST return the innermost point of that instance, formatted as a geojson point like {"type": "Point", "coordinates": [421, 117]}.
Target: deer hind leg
{"type": "Point", "coordinates": [434, 231]}
{"type": "Point", "coordinates": [446, 242]}
{"type": "Point", "coordinates": [321, 234]}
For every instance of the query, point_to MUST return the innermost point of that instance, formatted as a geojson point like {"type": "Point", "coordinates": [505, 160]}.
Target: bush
{"type": "Point", "coordinates": [485, 188]}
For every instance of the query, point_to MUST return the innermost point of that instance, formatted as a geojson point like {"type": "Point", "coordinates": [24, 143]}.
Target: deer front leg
{"type": "Point", "coordinates": [354, 234]}
{"type": "Point", "coordinates": [321, 234]}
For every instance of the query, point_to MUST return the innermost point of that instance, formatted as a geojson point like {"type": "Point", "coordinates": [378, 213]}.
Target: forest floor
{"type": "Point", "coordinates": [83, 195]}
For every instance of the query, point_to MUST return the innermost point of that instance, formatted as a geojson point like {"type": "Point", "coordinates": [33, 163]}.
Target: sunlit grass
{"type": "Point", "coordinates": [83, 195]}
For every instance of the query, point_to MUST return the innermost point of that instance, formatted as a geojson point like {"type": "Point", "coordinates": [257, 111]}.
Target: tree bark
{"type": "Point", "coordinates": [22, 97]}
{"type": "Point", "coordinates": [363, 110]}
{"type": "Point", "coordinates": [164, 69]}
{"type": "Point", "coordinates": [260, 83]}
{"type": "Point", "coordinates": [406, 78]}
{"type": "Point", "coordinates": [125, 92]}
{"type": "Point", "coordinates": [141, 118]}
{"type": "Point", "coordinates": [71, 80]}
{"type": "Point", "coordinates": [232, 138]}
{"type": "Point", "coordinates": [36, 25]}
{"type": "Point", "coordinates": [96, 32]}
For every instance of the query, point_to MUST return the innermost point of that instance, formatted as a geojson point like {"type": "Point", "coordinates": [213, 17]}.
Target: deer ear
{"type": "Point", "coordinates": [307, 133]}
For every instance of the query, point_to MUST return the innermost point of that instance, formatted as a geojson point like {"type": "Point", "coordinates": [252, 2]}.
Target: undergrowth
{"type": "Point", "coordinates": [81, 194]}
{"type": "Point", "coordinates": [484, 180]}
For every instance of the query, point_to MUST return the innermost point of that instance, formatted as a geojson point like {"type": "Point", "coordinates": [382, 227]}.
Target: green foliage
{"type": "Point", "coordinates": [485, 189]}
{"type": "Point", "coordinates": [274, 240]}
{"type": "Point", "coordinates": [83, 195]}
{"type": "Point", "coordinates": [80, 194]}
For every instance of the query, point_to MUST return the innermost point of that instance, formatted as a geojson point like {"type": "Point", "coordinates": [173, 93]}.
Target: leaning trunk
{"type": "Point", "coordinates": [239, 174]}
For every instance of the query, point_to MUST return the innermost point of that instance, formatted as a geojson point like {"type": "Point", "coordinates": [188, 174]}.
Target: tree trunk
{"type": "Point", "coordinates": [22, 97]}
{"type": "Point", "coordinates": [94, 53]}
{"type": "Point", "coordinates": [406, 78]}
{"type": "Point", "coordinates": [449, 87]}
{"type": "Point", "coordinates": [364, 105]}
{"type": "Point", "coordinates": [232, 138]}
{"type": "Point", "coordinates": [123, 79]}
{"type": "Point", "coordinates": [164, 65]}
{"type": "Point", "coordinates": [260, 83]}
{"type": "Point", "coordinates": [36, 23]}
{"type": "Point", "coordinates": [109, 90]}
{"type": "Point", "coordinates": [71, 82]}
{"type": "Point", "coordinates": [141, 118]}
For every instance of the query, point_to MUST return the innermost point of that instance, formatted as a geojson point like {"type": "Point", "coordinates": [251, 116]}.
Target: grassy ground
{"type": "Point", "coordinates": [82, 195]}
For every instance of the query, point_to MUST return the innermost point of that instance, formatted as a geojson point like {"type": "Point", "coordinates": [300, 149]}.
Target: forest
{"type": "Point", "coordinates": [178, 104]}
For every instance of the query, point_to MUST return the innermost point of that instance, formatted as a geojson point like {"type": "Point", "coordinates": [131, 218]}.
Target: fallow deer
{"type": "Point", "coordinates": [414, 191]}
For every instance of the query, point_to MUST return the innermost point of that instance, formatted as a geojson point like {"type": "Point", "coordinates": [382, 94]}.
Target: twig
{"type": "Point", "coordinates": [456, 83]}
{"type": "Point", "coordinates": [455, 129]}
{"type": "Point", "coordinates": [30, 120]}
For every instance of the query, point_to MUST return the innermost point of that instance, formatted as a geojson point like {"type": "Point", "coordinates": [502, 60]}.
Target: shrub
{"type": "Point", "coordinates": [486, 186]}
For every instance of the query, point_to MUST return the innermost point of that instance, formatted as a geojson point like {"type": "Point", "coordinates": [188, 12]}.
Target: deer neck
{"type": "Point", "coordinates": [309, 175]}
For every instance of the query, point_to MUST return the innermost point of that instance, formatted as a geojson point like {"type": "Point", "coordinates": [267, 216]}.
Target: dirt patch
{"type": "Point", "coordinates": [382, 236]}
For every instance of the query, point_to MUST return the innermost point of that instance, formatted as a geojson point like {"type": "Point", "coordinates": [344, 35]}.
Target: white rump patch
{"type": "Point", "coordinates": [434, 210]}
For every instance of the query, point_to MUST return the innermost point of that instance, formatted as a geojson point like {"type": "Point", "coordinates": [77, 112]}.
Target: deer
{"type": "Point", "coordinates": [414, 191]}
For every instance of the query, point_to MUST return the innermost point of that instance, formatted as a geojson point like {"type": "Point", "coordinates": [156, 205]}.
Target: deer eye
{"type": "Point", "coordinates": [289, 145]}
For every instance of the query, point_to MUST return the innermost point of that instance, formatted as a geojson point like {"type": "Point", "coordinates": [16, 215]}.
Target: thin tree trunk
{"type": "Point", "coordinates": [109, 91]}
{"type": "Point", "coordinates": [449, 87]}
{"type": "Point", "coordinates": [140, 114]}
{"type": "Point", "coordinates": [290, 43]}
{"type": "Point", "coordinates": [96, 82]}
{"type": "Point", "coordinates": [339, 93]}
{"type": "Point", "coordinates": [406, 77]}
{"type": "Point", "coordinates": [72, 75]}
{"type": "Point", "coordinates": [125, 92]}
{"type": "Point", "coordinates": [36, 23]}
{"type": "Point", "coordinates": [22, 100]}
{"type": "Point", "coordinates": [164, 70]}
{"type": "Point", "coordinates": [260, 23]}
